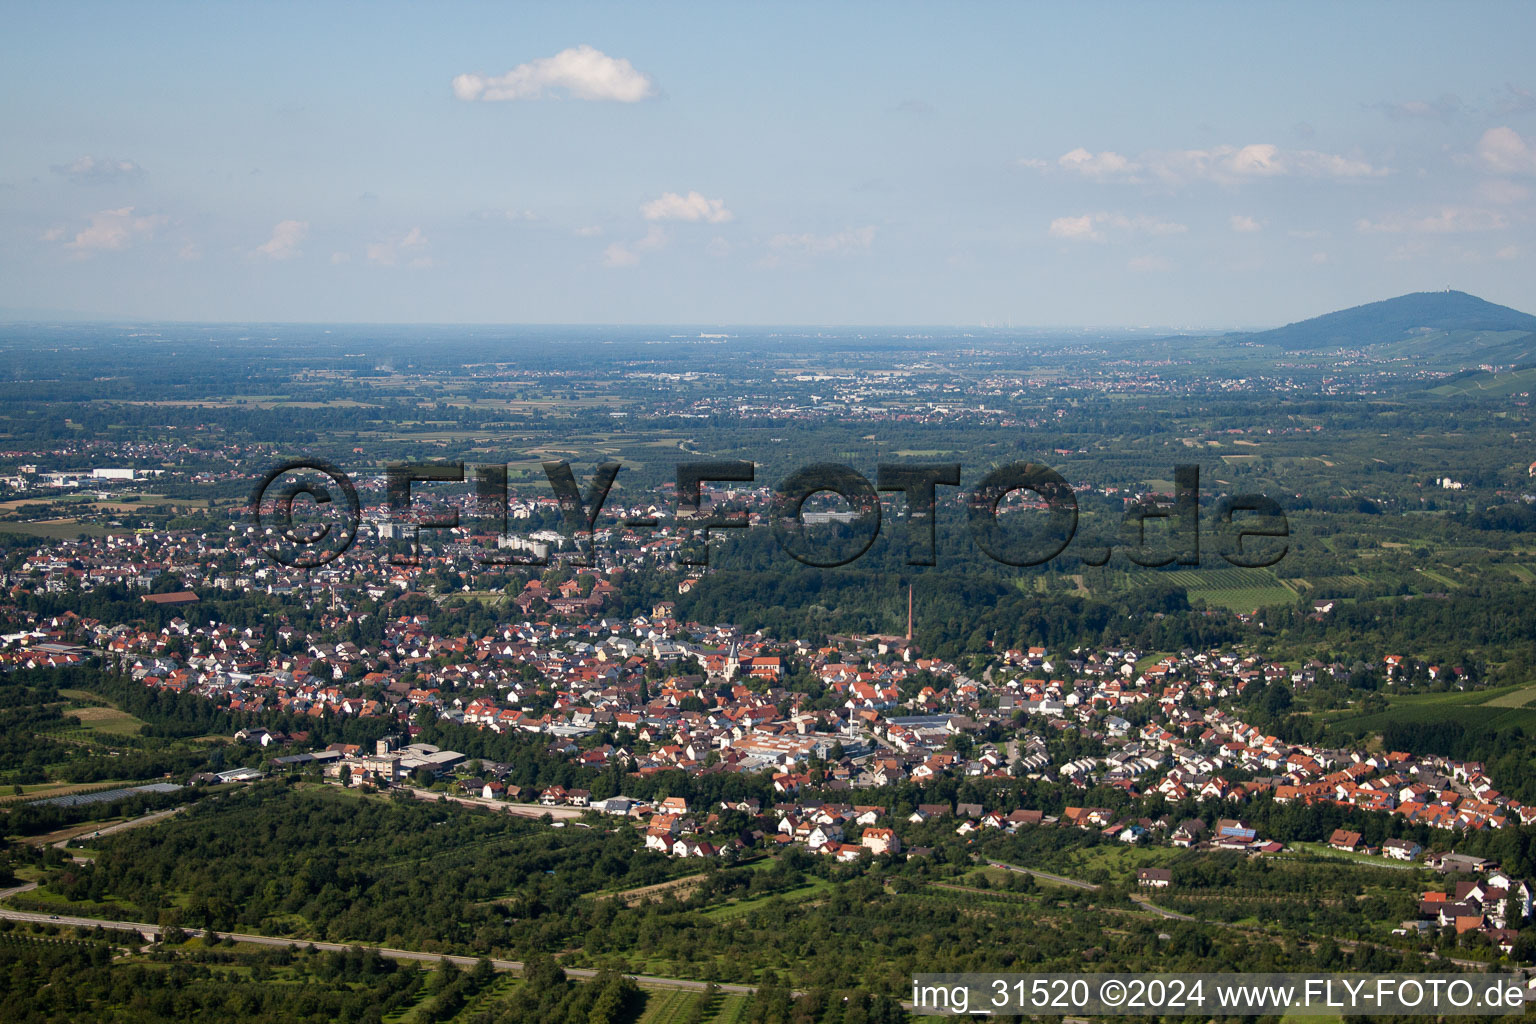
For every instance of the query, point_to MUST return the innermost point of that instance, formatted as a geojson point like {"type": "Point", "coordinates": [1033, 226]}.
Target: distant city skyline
{"type": "Point", "coordinates": [864, 164]}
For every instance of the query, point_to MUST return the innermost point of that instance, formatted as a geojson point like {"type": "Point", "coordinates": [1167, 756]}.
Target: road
{"type": "Point", "coordinates": [152, 932]}
{"type": "Point", "coordinates": [148, 819]}
{"type": "Point", "coordinates": [524, 810]}
{"type": "Point", "coordinates": [6, 894]}
{"type": "Point", "coordinates": [1076, 883]}
{"type": "Point", "coordinates": [122, 826]}
{"type": "Point", "coordinates": [1172, 915]}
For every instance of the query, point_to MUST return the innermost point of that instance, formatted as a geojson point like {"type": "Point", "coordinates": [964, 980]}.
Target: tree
{"type": "Point", "coordinates": [447, 973]}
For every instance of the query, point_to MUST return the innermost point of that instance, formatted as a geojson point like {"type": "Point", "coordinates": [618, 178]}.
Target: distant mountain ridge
{"type": "Point", "coordinates": [1405, 318]}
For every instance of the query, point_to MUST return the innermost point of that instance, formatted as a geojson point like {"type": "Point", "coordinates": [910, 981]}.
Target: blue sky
{"type": "Point", "coordinates": [1104, 164]}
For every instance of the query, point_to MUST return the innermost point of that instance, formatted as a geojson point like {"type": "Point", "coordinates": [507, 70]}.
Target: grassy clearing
{"type": "Point", "coordinates": [674, 1006]}
{"type": "Point", "coordinates": [733, 1010]}
{"type": "Point", "coordinates": [72, 832]}
{"type": "Point", "coordinates": [998, 877]}
{"type": "Point", "coordinates": [1323, 850]}
{"type": "Point", "coordinates": [1479, 710]}
{"type": "Point", "coordinates": [1489, 384]}
{"type": "Point", "coordinates": [1119, 860]}
{"type": "Point", "coordinates": [682, 888]}
{"type": "Point", "coordinates": [111, 721]}
{"type": "Point", "coordinates": [1518, 698]}
{"type": "Point", "coordinates": [1239, 590]}
{"type": "Point", "coordinates": [47, 902]}
{"type": "Point", "coordinates": [54, 529]}
{"type": "Point", "coordinates": [1440, 578]}
{"type": "Point", "coordinates": [740, 908]}
{"type": "Point", "coordinates": [1245, 599]}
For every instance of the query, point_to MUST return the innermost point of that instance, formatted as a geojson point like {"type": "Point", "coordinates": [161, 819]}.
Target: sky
{"type": "Point", "coordinates": [1181, 165]}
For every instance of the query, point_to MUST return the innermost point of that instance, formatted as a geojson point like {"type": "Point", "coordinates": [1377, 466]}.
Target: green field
{"type": "Point", "coordinates": [1489, 384]}
{"type": "Point", "coordinates": [1516, 698]}
{"type": "Point", "coordinates": [1493, 710]}
{"type": "Point", "coordinates": [728, 911]}
{"type": "Point", "coordinates": [107, 720]}
{"type": "Point", "coordinates": [98, 717]}
{"type": "Point", "coordinates": [1238, 590]}
{"type": "Point", "coordinates": [1326, 852]}
{"type": "Point", "coordinates": [54, 529]}
{"type": "Point", "coordinates": [676, 1006]}
{"type": "Point", "coordinates": [1118, 860]}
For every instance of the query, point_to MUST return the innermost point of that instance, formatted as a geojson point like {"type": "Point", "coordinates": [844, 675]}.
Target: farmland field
{"type": "Point", "coordinates": [1489, 384]}
{"type": "Point", "coordinates": [677, 1006]}
{"type": "Point", "coordinates": [1517, 698]}
{"type": "Point", "coordinates": [1238, 590]}
{"type": "Point", "coordinates": [1496, 710]}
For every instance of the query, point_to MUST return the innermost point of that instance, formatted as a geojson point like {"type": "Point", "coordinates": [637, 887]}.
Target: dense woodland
{"type": "Point", "coordinates": [320, 864]}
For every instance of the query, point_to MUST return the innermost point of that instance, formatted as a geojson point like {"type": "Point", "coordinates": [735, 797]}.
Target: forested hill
{"type": "Point", "coordinates": [1399, 319]}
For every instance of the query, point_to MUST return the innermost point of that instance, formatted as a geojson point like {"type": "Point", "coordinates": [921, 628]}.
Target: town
{"type": "Point", "coordinates": [838, 743]}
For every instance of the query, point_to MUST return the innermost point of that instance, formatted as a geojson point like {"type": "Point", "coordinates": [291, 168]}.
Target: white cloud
{"type": "Point", "coordinates": [97, 170]}
{"type": "Point", "coordinates": [1516, 100]}
{"type": "Point", "coordinates": [1099, 166]}
{"type": "Point", "coordinates": [582, 72]}
{"type": "Point", "coordinates": [1262, 160]}
{"type": "Point", "coordinates": [619, 254]}
{"type": "Point", "coordinates": [1245, 225]}
{"type": "Point", "coordinates": [1091, 227]}
{"type": "Point", "coordinates": [1149, 265]}
{"type": "Point", "coordinates": [824, 245]}
{"type": "Point", "coordinates": [589, 231]}
{"type": "Point", "coordinates": [692, 207]}
{"type": "Point", "coordinates": [284, 243]}
{"type": "Point", "coordinates": [1445, 221]}
{"type": "Point", "coordinates": [1503, 191]}
{"type": "Point", "coordinates": [339, 257]}
{"type": "Point", "coordinates": [1147, 225]}
{"type": "Point", "coordinates": [410, 249]}
{"type": "Point", "coordinates": [1319, 257]}
{"type": "Point", "coordinates": [1074, 227]}
{"type": "Point", "coordinates": [1445, 108]}
{"type": "Point", "coordinates": [1509, 252]}
{"type": "Point", "coordinates": [190, 252]}
{"type": "Point", "coordinates": [1229, 165]}
{"type": "Point", "coordinates": [1226, 165]}
{"type": "Point", "coordinates": [1034, 163]}
{"type": "Point", "coordinates": [112, 230]}
{"type": "Point", "coordinates": [511, 215]}
{"type": "Point", "coordinates": [1503, 151]}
